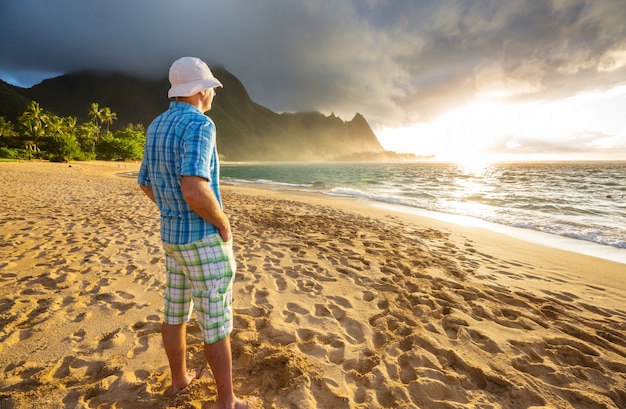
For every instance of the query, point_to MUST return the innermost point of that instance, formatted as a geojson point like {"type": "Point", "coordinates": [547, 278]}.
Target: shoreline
{"type": "Point", "coordinates": [338, 304]}
{"type": "Point", "coordinates": [539, 238]}
{"type": "Point", "coordinates": [555, 241]}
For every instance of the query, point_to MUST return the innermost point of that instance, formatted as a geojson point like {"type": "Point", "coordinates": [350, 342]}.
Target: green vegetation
{"type": "Point", "coordinates": [43, 135]}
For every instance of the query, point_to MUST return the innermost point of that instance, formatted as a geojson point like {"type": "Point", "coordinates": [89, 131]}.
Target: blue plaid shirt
{"type": "Point", "coordinates": [180, 142]}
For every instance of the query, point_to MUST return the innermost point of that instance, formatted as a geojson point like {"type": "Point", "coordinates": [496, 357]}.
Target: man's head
{"type": "Point", "coordinates": [189, 76]}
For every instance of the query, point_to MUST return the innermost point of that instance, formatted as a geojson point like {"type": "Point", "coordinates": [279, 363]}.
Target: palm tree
{"type": "Point", "coordinates": [32, 121]}
{"type": "Point", "coordinates": [87, 136]}
{"type": "Point", "coordinates": [108, 117]}
{"type": "Point", "coordinates": [95, 113]}
{"type": "Point", "coordinates": [70, 123]}
{"type": "Point", "coordinates": [54, 125]}
{"type": "Point", "coordinates": [6, 127]}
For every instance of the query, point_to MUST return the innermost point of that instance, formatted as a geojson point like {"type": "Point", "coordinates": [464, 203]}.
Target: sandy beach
{"type": "Point", "coordinates": [338, 305]}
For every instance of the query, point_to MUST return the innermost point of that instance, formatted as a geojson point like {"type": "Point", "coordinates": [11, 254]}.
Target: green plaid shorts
{"type": "Point", "coordinates": [200, 278]}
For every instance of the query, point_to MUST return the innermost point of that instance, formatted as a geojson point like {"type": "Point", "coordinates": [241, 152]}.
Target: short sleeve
{"type": "Point", "coordinates": [142, 177]}
{"type": "Point", "coordinates": [197, 148]}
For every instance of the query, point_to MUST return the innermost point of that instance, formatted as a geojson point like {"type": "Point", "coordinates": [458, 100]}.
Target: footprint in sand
{"type": "Point", "coordinates": [338, 352]}
{"type": "Point", "coordinates": [451, 325]}
{"type": "Point", "coordinates": [295, 308]}
{"type": "Point", "coordinates": [369, 296]}
{"type": "Point", "coordinates": [151, 326]}
{"type": "Point", "coordinates": [309, 286]}
{"type": "Point", "coordinates": [111, 339]}
{"type": "Point", "coordinates": [363, 364]}
{"type": "Point", "coordinates": [125, 295]}
{"type": "Point", "coordinates": [483, 342]}
{"type": "Point", "coordinates": [279, 280]}
{"type": "Point", "coordinates": [354, 329]}
{"type": "Point", "coordinates": [79, 335]}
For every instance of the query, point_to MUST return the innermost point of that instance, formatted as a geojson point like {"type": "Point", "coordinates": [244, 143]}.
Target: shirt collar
{"type": "Point", "coordinates": [183, 105]}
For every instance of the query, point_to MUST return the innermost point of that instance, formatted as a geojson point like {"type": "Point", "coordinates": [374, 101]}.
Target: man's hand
{"type": "Point", "coordinates": [202, 200]}
{"type": "Point", "coordinates": [226, 233]}
{"type": "Point", "coordinates": [148, 191]}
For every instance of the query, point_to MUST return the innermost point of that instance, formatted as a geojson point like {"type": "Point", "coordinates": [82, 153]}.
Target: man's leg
{"type": "Point", "coordinates": [177, 306]}
{"type": "Point", "coordinates": [219, 357]}
{"type": "Point", "coordinates": [175, 343]}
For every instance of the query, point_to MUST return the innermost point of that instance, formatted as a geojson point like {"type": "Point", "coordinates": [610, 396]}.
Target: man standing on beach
{"type": "Point", "coordinates": [180, 173]}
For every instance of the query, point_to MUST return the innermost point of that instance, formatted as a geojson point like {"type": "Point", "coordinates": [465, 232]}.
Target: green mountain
{"type": "Point", "coordinates": [246, 130]}
{"type": "Point", "coordinates": [12, 102]}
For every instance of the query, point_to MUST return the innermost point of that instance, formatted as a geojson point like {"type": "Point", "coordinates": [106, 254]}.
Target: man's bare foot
{"type": "Point", "coordinates": [192, 374]}
{"type": "Point", "coordinates": [249, 403]}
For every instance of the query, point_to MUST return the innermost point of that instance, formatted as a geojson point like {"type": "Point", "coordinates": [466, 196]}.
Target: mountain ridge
{"type": "Point", "coordinates": [246, 130]}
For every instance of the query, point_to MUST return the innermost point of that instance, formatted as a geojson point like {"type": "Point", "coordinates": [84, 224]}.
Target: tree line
{"type": "Point", "coordinates": [43, 135]}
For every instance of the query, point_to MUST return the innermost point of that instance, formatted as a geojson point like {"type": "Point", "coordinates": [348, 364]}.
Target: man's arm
{"type": "Point", "coordinates": [202, 200]}
{"type": "Point", "coordinates": [148, 191]}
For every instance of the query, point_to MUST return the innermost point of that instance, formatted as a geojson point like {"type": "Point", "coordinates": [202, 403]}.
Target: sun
{"type": "Point", "coordinates": [464, 134]}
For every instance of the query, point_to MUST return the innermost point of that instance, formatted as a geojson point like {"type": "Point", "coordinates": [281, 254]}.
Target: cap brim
{"type": "Point", "coordinates": [192, 88]}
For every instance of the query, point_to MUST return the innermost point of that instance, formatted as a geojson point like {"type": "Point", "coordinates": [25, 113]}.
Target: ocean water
{"type": "Point", "coordinates": [582, 201]}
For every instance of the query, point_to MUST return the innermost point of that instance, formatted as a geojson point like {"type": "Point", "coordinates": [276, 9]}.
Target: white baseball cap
{"type": "Point", "coordinates": [190, 75]}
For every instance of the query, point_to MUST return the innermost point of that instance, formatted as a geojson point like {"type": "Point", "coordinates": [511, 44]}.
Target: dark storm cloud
{"type": "Point", "coordinates": [395, 61]}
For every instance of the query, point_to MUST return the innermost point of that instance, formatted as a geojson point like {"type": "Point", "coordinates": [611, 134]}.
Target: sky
{"type": "Point", "coordinates": [460, 79]}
